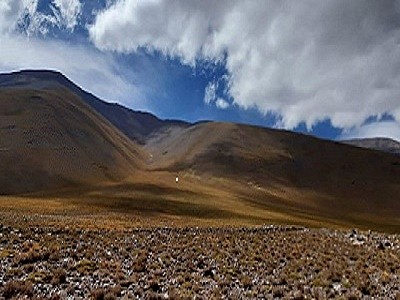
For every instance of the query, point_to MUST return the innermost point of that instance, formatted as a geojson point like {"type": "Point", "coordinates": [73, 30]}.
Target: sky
{"type": "Point", "coordinates": [327, 68]}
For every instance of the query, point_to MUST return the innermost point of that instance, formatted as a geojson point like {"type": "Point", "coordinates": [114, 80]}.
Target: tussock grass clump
{"type": "Point", "coordinates": [85, 266]}
{"type": "Point", "coordinates": [105, 294]}
{"type": "Point", "coordinates": [17, 289]}
{"type": "Point", "coordinates": [98, 294]}
{"type": "Point", "coordinates": [59, 276]}
{"type": "Point", "coordinates": [140, 262]}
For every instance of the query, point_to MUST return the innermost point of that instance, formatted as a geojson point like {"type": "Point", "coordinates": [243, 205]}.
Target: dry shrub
{"type": "Point", "coordinates": [17, 288]}
{"type": "Point", "coordinates": [140, 263]}
{"type": "Point", "coordinates": [97, 294]}
{"type": "Point", "coordinates": [59, 276]}
{"type": "Point", "coordinates": [102, 294]}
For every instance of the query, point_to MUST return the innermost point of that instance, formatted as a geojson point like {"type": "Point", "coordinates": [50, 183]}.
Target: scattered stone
{"type": "Point", "coordinates": [168, 263]}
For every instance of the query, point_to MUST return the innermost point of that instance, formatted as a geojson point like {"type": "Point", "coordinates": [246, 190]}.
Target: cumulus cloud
{"type": "Point", "coordinates": [305, 61]}
{"type": "Point", "coordinates": [388, 129]}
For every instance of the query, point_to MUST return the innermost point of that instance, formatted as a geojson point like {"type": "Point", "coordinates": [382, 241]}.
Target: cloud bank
{"type": "Point", "coordinates": [21, 48]}
{"type": "Point", "coordinates": [87, 67]}
{"type": "Point", "coordinates": [305, 61]}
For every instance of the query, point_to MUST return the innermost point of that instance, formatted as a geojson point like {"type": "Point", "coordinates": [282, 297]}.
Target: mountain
{"type": "Point", "coordinates": [284, 170]}
{"type": "Point", "coordinates": [136, 125]}
{"type": "Point", "coordinates": [109, 158]}
{"type": "Point", "coordinates": [381, 144]}
{"type": "Point", "coordinates": [50, 138]}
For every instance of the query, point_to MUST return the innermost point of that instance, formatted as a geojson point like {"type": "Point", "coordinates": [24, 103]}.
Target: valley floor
{"type": "Point", "coordinates": [40, 257]}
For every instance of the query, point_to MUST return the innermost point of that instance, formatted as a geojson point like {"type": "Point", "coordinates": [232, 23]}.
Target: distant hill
{"type": "Point", "coordinates": [381, 144]}
{"type": "Point", "coordinates": [282, 168]}
{"type": "Point", "coordinates": [137, 125]}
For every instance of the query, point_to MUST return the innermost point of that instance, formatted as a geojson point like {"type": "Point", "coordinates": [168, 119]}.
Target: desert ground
{"type": "Point", "coordinates": [50, 257]}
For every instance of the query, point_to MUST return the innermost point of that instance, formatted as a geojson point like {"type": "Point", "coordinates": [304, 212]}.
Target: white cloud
{"type": "Point", "coordinates": [303, 60]}
{"type": "Point", "coordinates": [9, 14]}
{"type": "Point", "coordinates": [92, 70]}
{"type": "Point", "coordinates": [70, 10]}
{"type": "Point", "coordinates": [211, 97]}
{"type": "Point", "coordinates": [221, 103]}
{"type": "Point", "coordinates": [388, 129]}
{"type": "Point", "coordinates": [128, 25]}
{"type": "Point", "coordinates": [34, 22]}
{"type": "Point", "coordinates": [210, 93]}
{"type": "Point", "coordinates": [25, 14]}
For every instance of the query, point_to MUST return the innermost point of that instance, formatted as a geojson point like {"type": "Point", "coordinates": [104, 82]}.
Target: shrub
{"type": "Point", "coordinates": [17, 288]}
{"type": "Point", "coordinates": [140, 263]}
{"type": "Point", "coordinates": [97, 294]}
{"type": "Point", "coordinates": [59, 276]}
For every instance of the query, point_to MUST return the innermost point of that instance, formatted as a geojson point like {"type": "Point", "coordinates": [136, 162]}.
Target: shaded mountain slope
{"type": "Point", "coordinates": [285, 170]}
{"type": "Point", "coordinates": [51, 139]}
{"type": "Point", "coordinates": [136, 125]}
{"type": "Point", "coordinates": [381, 144]}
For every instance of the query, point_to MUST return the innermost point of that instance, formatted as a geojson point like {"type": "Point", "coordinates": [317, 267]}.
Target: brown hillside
{"type": "Point", "coordinates": [286, 171]}
{"type": "Point", "coordinates": [51, 139]}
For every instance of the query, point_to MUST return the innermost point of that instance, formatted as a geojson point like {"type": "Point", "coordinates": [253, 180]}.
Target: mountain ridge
{"type": "Point", "coordinates": [44, 78]}
{"type": "Point", "coordinates": [378, 143]}
{"type": "Point", "coordinates": [63, 147]}
{"type": "Point", "coordinates": [129, 121]}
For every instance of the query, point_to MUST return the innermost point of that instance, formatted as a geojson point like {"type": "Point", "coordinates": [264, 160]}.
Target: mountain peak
{"type": "Point", "coordinates": [378, 143]}
{"type": "Point", "coordinates": [377, 139]}
{"type": "Point", "coordinates": [137, 125]}
{"type": "Point", "coordinates": [39, 72]}
{"type": "Point", "coordinates": [37, 79]}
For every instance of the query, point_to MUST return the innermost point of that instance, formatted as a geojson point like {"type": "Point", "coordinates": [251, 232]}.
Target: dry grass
{"type": "Point", "coordinates": [17, 289]}
{"type": "Point", "coordinates": [244, 262]}
{"type": "Point", "coordinates": [154, 199]}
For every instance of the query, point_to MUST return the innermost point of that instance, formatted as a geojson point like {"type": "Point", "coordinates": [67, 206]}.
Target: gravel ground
{"type": "Point", "coordinates": [202, 263]}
